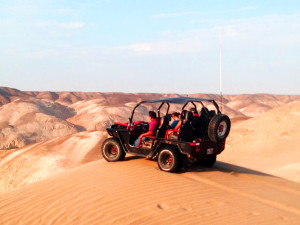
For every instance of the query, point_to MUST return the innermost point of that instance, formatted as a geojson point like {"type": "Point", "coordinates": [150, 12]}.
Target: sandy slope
{"type": "Point", "coordinates": [268, 143]}
{"type": "Point", "coordinates": [36, 162]}
{"type": "Point", "coordinates": [136, 192]}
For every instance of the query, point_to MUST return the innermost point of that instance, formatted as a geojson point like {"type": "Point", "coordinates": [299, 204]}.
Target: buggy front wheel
{"type": "Point", "coordinates": [112, 150]}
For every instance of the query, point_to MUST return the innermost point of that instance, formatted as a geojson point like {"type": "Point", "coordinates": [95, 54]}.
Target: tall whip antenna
{"type": "Point", "coordinates": [220, 43]}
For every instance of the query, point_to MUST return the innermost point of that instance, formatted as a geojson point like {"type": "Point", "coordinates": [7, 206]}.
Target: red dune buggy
{"type": "Point", "coordinates": [201, 136]}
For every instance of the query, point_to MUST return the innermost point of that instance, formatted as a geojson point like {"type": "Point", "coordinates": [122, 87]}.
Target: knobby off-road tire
{"type": "Point", "coordinates": [112, 150]}
{"type": "Point", "coordinates": [209, 160]}
{"type": "Point", "coordinates": [169, 160]}
{"type": "Point", "coordinates": [219, 127]}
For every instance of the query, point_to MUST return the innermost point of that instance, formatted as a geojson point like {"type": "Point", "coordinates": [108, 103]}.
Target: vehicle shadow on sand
{"type": "Point", "coordinates": [217, 167]}
{"type": "Point", "coordinates": [132, 157]}
{"type": "Point", "coordinates": [222, 167]}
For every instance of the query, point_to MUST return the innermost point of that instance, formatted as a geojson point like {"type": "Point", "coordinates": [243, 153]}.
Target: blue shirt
{"type": "Point", "coordinates": [174, 123]}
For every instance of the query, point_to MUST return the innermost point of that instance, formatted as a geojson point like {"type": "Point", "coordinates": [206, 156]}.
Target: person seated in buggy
{"type": "Point", "coordinates": [176, 118]}
{"type": "Point", "coordinates": [173, 132]}
{"type": "Point", "coordinates": [153, 125]}
{"type": "Point", "coordinates": [195, 114]}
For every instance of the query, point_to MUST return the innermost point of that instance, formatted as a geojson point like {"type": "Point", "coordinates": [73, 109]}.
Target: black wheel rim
{"type": "Point", "coordinates": [166, 160]}
{"type": "Point", "coordinates": [111, 151]}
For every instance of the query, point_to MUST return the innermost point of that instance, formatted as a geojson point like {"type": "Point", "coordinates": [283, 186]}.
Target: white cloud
{"type": "Point", "coordinates": [273, 31]}
{"type": "Point", "coordinates": [72, 25]}
{"type": "Point", "coordinates": [170, 45]}
{"type": "Point", "coordinates": [140, 47]}
{"type": "Point", "coordinates": [174, 14]}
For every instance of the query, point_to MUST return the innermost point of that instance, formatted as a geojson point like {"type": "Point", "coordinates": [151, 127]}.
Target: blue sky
{"type": "Point", "coordinates": [150, 46]}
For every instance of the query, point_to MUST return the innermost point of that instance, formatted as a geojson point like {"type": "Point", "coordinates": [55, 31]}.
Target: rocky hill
{"type": "Point", "coordinates": [28, 117]}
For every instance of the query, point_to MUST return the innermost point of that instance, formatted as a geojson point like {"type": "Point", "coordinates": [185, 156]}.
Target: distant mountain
{"type": "Point", "coordinates": [28, 117]}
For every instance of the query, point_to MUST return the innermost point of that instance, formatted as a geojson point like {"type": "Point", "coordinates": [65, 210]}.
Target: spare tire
{"type": "Point", "coordinates": [219, 127]}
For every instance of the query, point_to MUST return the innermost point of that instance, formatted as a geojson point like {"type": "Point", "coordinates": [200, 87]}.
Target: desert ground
{"type": "Point", "coordinates": [52, 171]}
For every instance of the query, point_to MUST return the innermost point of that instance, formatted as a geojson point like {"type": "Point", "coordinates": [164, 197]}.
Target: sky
{"type": "Point", "coordinates": [151, 46]}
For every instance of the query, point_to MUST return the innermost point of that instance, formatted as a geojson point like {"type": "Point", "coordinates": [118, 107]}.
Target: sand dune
{"type": "Point", "coordinates": [268, 143]}
{"type": "Point", "coordinates": [136, 192]}
{"type": "Point", "coordinates": [30, 164]}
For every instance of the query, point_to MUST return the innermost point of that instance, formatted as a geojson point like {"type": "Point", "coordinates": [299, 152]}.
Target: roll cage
{"type": "Point", "coordinates": [176, 100]}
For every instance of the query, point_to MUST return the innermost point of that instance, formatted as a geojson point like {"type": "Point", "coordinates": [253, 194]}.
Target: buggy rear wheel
{"type": "Point", "coordinates": [169, 160]}
{"type": "Point", "coordinates": [112, 150]}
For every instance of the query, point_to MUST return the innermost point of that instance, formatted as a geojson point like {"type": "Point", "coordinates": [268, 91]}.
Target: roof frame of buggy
{"type": "Point", "coordinates": [177, 100]}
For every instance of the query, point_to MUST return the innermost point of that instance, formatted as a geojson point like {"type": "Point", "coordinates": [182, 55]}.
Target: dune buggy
{"type": "Point", "coordinates": [200, 138]}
